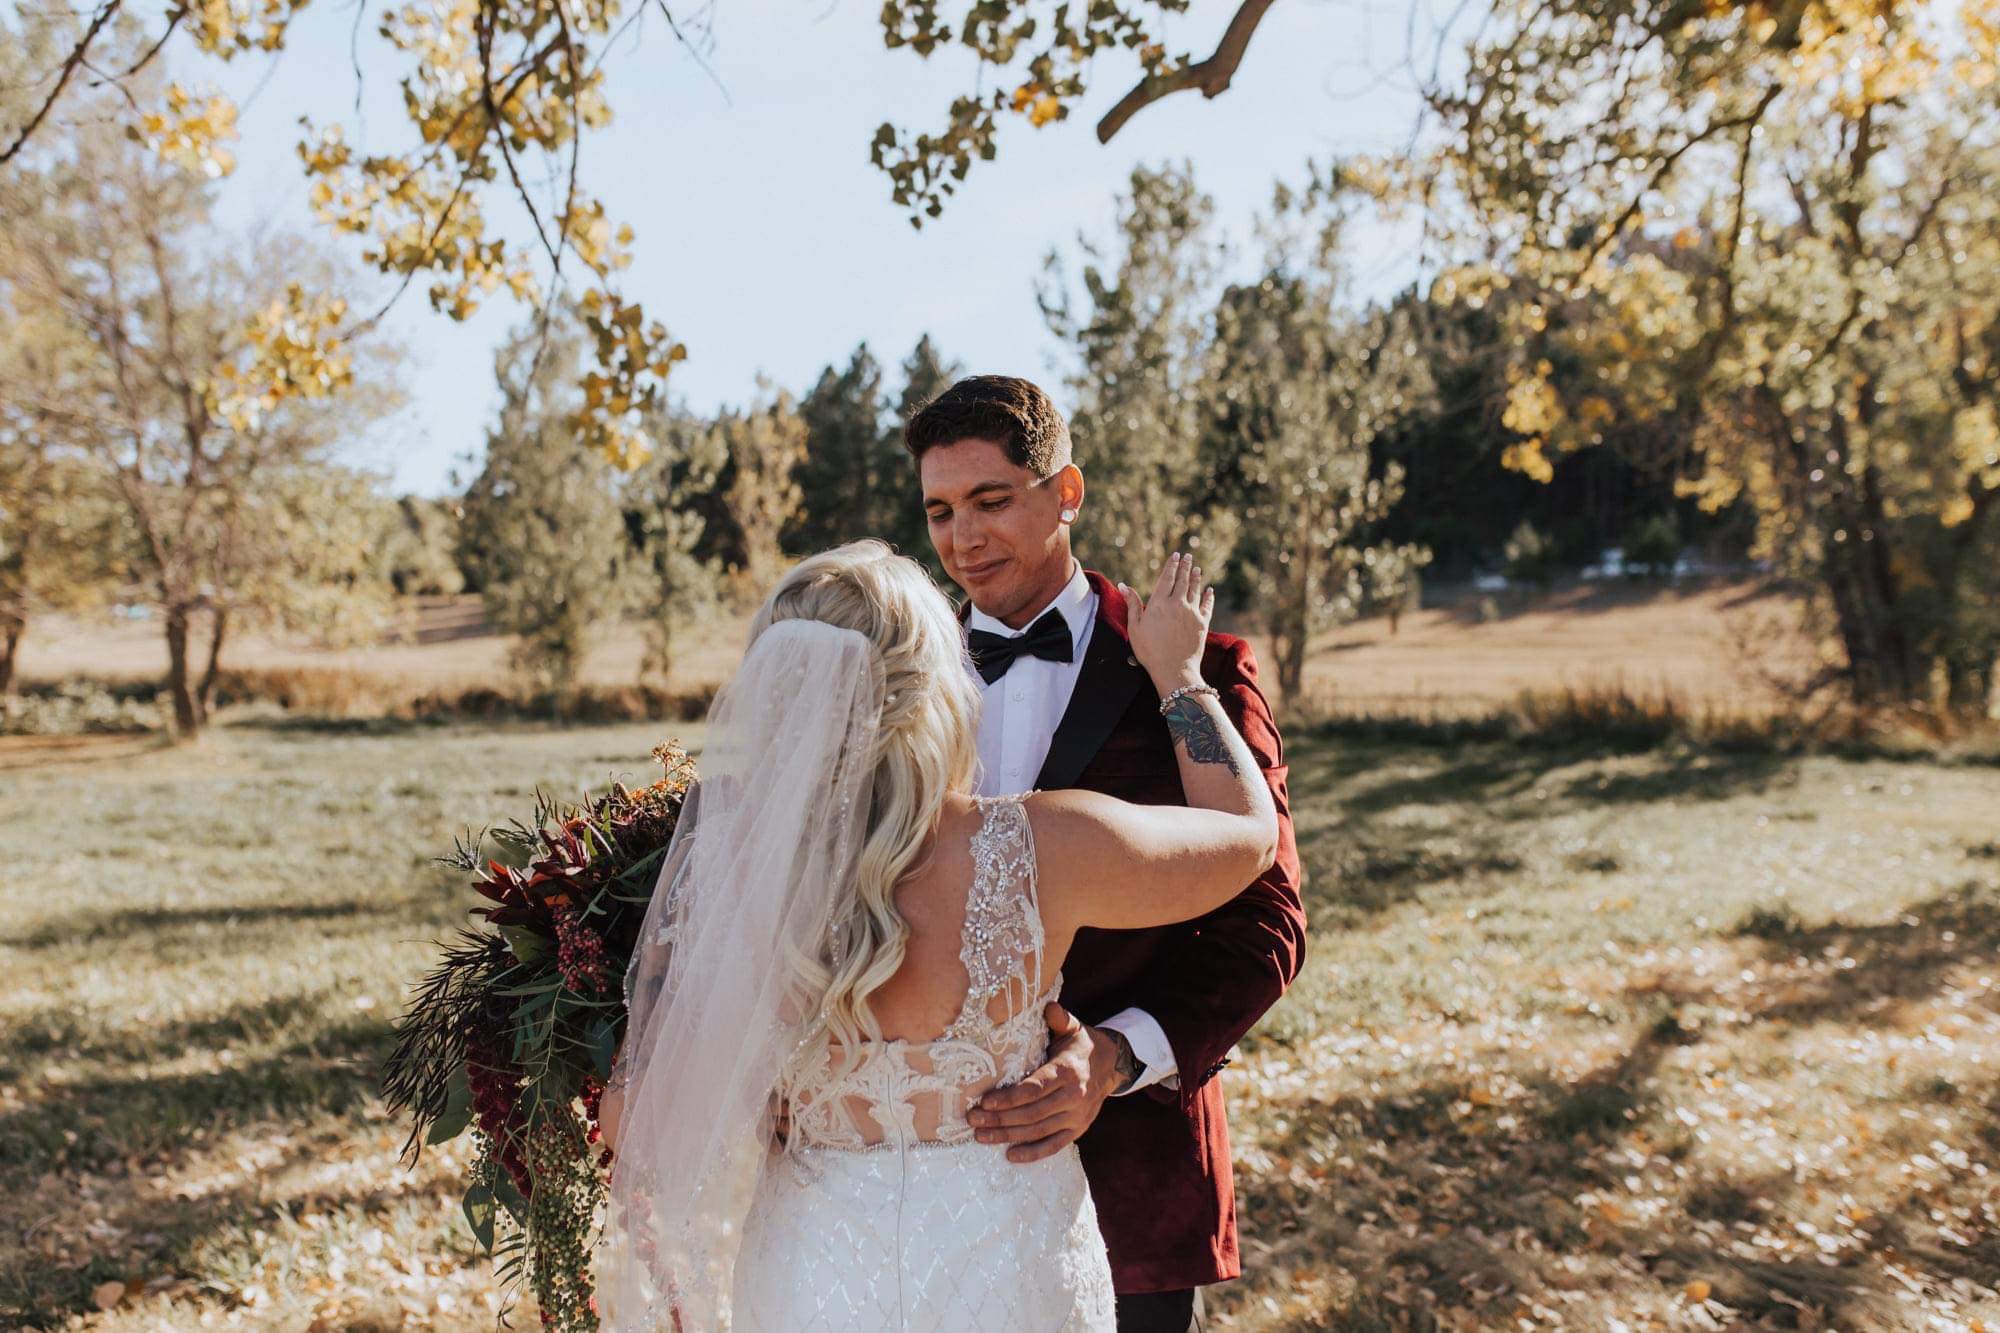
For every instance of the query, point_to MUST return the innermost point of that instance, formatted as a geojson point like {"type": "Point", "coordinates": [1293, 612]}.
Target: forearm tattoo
{"type": "Point", "coordinates": [1192, 725]}
{"type": "Point", "coordinates": [1129, 1067]}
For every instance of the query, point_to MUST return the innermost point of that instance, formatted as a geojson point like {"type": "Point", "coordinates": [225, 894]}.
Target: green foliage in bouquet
{"type": "Point", "coordinates": [512, 1035]}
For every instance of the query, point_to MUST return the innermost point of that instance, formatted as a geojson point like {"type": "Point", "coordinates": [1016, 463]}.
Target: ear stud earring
{"type": "Point", "coordinates": [1069, 516]}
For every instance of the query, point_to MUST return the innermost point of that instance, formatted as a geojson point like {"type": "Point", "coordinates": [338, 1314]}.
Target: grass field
{"type": "Point", "coordinates": [1677, 1038]}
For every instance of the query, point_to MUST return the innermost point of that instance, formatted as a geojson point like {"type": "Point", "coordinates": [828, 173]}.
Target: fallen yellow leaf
{"type": "Point", "coordinates": [1697, 1290]}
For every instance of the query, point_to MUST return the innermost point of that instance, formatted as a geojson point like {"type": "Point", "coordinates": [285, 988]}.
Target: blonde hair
{"type": "Point", "coordinates": [927, 745]}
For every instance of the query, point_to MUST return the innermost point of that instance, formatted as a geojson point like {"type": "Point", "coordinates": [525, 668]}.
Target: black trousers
{"type": "Point", "coordinates": [1161, 1312]}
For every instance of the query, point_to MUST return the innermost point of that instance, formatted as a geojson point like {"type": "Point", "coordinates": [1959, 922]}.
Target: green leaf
{"type": "Point", "coordinates": [510, 1196]}
{"type": "Point", "coordinates": [457, 1113]}
{"type": "Point", "coordinates": [512, 849]}
{"type": "Point", "coordinates": [525, 943]}
{"type": "Point", "coordinates": [603, 1044]}
{"type": "Point", "coordinates": [479, 1214]}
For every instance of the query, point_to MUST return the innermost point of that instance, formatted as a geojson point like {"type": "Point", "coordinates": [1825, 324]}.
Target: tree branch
{"type": "Point", "coordinates": [1211, 76]}
{"type": "Point", "coordinates": [1669, 161]}
{"type": "Point", "coordinates": [69, 67]}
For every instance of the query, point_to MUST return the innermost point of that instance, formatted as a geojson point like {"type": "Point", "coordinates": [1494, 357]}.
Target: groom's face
{"type": "Point", "coordinates": [997, 527]}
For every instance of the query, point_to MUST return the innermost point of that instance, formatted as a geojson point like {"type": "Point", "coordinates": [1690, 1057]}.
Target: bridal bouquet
{"type": "Point", "coordinates": [511, 1036]}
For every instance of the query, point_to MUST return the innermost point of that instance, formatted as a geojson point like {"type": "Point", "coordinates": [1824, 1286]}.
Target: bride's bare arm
{"type": "Point", "coordinates": [1105, 862]}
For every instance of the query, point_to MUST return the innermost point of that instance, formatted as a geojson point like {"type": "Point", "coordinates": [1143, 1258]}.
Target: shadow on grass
{"type": "Point", "coordinates": [145, 1228]}
{"type": "Point", "coordinates": [1903, 961]}
{"type": "Point", "coordinates": [307, 724]}
{"type": "Point", "coordinates": [118, 1131]}
{"type": "Point", "coordinates": [40, 1294]}
{"type": "Point", "coordinates": [1571, 596]}
{"type": "Point", "coordinates": [1497, 773]}
{"type": "Point", "coordinates": [1438, 1203]}
{"type": "Point", "coordinates": [26, 754]}
{"type": "Point", "coordinates": [152, 922]}
{"type": "Point", "coordinates": [95, 1120]}
{"type": "Point", "coordinates": [69, 1038]}
{"type": "Point", "coordinates": [1694, 777]}
{"type": "Point", "coordinates": [1372, 855]}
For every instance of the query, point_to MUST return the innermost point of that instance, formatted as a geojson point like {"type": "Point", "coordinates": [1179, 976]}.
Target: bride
{"type": "Point", "coordinates": [846, 950]}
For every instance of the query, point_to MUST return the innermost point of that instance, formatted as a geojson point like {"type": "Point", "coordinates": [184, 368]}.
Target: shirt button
{"type": "Point", "coordinates": [1018, 696]}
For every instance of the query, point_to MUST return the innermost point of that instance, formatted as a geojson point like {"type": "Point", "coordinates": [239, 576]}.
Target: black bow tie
{"type": "Point", "coordinates": [1047, 638]}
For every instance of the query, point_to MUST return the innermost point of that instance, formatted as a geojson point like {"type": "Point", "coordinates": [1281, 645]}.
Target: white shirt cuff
{"type": "Point", "coordinates": [1149, 1043]}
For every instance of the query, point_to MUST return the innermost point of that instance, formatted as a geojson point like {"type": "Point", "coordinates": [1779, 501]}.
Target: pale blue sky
{"type": "Point", "coordinates": [766, 240]}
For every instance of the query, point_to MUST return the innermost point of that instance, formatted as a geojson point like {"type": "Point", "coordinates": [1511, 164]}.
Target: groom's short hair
{"type": "Point", "coordinates": [1013, 413]}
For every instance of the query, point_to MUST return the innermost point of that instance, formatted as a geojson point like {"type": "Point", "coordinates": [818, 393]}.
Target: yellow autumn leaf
{"type": "Point", "coordinates": [1045, 109]}
{"type": "Point", "coordinates": [1527, 458]}
{"type": "Point", "coordinates": [1697, 1290]}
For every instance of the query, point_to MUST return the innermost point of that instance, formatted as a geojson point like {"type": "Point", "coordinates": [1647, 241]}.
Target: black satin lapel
{"type": "Point", "coordinates": [1104, 689]}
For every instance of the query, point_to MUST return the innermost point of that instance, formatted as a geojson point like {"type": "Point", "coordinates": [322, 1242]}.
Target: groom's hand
{"type": "Point", "coordinates": [1050, 1108]}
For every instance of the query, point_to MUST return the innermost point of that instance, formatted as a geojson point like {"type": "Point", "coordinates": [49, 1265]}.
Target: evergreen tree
{"type": "Point", "coordinates": [542, 534]}
{"type": "Point", "coordinates": [675, 585]}
{"type": "Point", "coordinates": [851, 459]}
{"type": "Point", "coordinates": [926, 374]}
{"type": "Point", "coordinates": [1139, 334]}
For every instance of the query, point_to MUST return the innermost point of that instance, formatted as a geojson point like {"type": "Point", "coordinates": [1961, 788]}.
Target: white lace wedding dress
{"type": "Point", "coordinates": [886, 1214]}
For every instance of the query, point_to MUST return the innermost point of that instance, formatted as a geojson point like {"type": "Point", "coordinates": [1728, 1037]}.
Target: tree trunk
{"type": "Point", "coordinates": [217, 633]}
{"type": "Point", "coordinates": [1859, 578]}
{"type": "Point", "coordinates": [12, 627]}
{"type": "Point", "coordinates": [1288, 641]}
{"type": "Point", "coordinates": [187, 708]}
{"type": "Point", "coordinates": [1855, 567]}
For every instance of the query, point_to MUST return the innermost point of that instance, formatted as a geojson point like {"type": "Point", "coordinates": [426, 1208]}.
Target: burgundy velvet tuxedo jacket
{"type": "Point", "coordinates": [1158, 1160]}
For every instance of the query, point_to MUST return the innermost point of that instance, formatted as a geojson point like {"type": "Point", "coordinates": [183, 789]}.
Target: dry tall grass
{"type": "Point", "coordinates": [1467, 657]}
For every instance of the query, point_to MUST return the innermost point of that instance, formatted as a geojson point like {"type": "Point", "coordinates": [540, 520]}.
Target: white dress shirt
{"type": "Point", "coordinates": [1018, 717]}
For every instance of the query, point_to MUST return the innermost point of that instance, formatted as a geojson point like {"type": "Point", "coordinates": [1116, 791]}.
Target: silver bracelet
{"type": "Point", "coordinates": [1184, 691]}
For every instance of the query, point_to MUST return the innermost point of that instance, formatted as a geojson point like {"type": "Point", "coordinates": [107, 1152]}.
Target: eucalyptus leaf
{"type": "Point", "coordinates": [510, 849]}
{"type": "Point", "coordinates": [603, 1044]}
{"type": "Point", "coordinates": [479, 1214]}
{"type": "Point", "coordinates": [510, 1197]}
{"type": "Point", "coordinates": [457, 1113]}
{"type": "Point", "coordinates": [525, 943]}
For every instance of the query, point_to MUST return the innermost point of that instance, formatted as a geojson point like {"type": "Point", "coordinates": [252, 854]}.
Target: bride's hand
{"type": "Point", "coordinates": [1170, 629]}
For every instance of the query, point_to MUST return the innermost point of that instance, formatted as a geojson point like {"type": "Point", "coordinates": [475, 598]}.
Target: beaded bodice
{"type": "Point", "coordinates": [902, 1092]}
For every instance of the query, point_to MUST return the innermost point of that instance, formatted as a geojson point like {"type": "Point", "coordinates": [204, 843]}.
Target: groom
{"type": "Point", "coordinates": [1066, 705]}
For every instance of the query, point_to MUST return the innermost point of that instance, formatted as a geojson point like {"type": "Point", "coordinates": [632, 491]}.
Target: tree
{"type": "Point", "coordinates": [857, 479]}
{"type": "Point", "coordinates": [61, 544]}
{"type": "Point", "coordinates": [850, 459]}
{"type": "Point", "coordinates": [1531, 556]}
{"type": "Point", "coordinates": [1139, 334]}
{"type": "Point", "coordinates": [1036, 64]}
{"type": "Point", "coordinates": [500, 94]}
{"type": "Point", "coordinates": [194, 384]}
{"type": "Point", "coordinates": [1778, 221]}
{"type": "Point", "coordinates": [926, 374]}
{"type": "Point", "coordinates": [305, 557]}
{"type": "Point", "coordinates": [420, 546]}
{"type": "Point", "coordinates": [1298, 392]}
{"type": "Point", "coordinates": [496, 92]}
{"type": "Point", "coordinates": [543, 535]}
{"type": "Point", "coordinates": [675, 585]}
{"type": "Point", "coordinates": [762, 446]}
